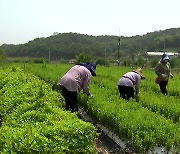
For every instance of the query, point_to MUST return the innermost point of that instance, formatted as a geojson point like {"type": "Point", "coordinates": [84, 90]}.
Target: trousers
{"type": "Point", "coordinates": [126, 92]}
{"type": "Point", "coordinates": [163, 88]}
{"type": "Point", "coordinates": [71, 101]}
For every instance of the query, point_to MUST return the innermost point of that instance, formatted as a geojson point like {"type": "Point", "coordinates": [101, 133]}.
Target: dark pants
{"type": "Point", "coordinates": [126, 92]}
{"type": "Point", "coordinates": [70, 99]}
{"type": "Point", "coordinates": [163, 88]}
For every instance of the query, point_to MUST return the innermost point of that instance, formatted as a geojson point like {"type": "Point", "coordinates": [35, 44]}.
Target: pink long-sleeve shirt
{"type": "Point", "coordinates": [76, 79]}
{"type": "Point", "coordinates": [131, 79]}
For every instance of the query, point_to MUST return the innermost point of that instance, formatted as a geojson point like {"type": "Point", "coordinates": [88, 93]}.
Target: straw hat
{"type": "Point", "coordinates": [139, 71]}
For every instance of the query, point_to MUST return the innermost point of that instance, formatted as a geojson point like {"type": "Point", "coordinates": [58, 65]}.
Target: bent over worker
{"type": "Point", "coordinates": [129, 84]}
{"type": "Point", "coordinates": [76, 79]}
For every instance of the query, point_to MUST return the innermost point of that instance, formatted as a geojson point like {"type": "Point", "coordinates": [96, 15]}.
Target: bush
{"type": "Point", "coordinates": [40, 60]}
{"type": "Point", "coordinates": [83, 57]}
{"type": "Point", "coordinates": [101, 61]}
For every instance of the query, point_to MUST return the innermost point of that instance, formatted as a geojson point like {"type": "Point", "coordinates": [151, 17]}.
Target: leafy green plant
{"type": "Point", "coordinates": [153, 121]}
{"type": "Point", "coordinates": [34, 120]}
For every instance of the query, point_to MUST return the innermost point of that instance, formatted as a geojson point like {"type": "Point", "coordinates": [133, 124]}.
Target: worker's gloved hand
{"type": "Point", "coordinates": [90, 95]}
{"type": "Point", "coordinates": [172, 76]}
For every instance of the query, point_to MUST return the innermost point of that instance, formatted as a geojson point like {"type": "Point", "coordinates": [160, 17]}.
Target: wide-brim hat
{"type": "Point", "coordinates": [139, 71]}
{"type": "Point", "coordinates": [91, 67]}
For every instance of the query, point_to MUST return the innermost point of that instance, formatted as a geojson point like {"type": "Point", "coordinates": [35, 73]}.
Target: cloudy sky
{"type": "Point", "coordinates": [25, 20]}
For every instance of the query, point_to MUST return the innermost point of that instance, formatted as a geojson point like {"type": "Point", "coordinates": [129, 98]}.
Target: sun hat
{"type": "Point", "coordinates": [165, 57]}
{"type": "Point", "coordinates": [139, 71]}
{"type": "Point", "coordinates": [90, 66]}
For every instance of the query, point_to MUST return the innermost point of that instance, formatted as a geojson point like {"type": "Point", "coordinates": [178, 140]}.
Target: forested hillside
{"type": "Point", "coordinates": [69, 45]}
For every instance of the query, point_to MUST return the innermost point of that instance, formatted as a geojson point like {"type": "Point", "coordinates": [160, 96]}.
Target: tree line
{"type": "Point", "coordinates": [69, 45]}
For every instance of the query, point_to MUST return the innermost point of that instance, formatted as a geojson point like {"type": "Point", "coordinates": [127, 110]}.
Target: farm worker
{"type": "Point", "coordinates": [129, 84]}
{"type": "Point", "coordinates": [163, 71]}
{"type": "Point", "coordinates": [76, 79]}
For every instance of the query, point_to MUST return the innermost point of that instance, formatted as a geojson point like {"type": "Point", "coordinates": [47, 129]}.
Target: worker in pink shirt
{"type": "Point", "coordinates": [76, 79]}
{"type": "Point", "coordinates": [130, 84]}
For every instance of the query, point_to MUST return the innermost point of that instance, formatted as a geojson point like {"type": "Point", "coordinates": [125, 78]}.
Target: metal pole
{"type": "Point", "coordinates": [119, 43]}
{"type": "Point", "coordinates": [118, 50]}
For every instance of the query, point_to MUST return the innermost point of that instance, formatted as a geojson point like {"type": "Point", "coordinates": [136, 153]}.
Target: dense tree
{"type": "Point", "coordinates": [69, 45]}
{"type": "Point", "coordinates": [83, 57]}
{"type": "Point", "coordinates": [2, 54]}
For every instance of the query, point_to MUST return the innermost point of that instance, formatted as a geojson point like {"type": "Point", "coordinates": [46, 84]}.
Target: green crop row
{"type": "Point", "coordinates": [152, 121]}
{"type": "Point", "coordinates": [158, 128]}
{"type": "Point", "coordinates": [149, 84]}
{"type": "Point", "coordinates": [168, 106]}
{"type": "Point", "coordinates": [34, 121]}
{"type": "Point", "coordinates": [129, 120]}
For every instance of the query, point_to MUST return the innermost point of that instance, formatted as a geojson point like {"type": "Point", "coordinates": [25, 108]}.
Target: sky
{"type": "Point", "coordinates": [22, 21]}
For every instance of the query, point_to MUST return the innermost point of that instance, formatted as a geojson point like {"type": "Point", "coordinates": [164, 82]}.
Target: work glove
{"type": "Point", "coordinates": [172, 76]}
{"type": "Point", "coordinates": [89, 95]}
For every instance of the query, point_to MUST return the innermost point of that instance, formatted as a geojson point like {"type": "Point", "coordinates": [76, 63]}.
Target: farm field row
{"type": "Point", "coordinates": [34, 119]}
{"type": "Point", "coordinates": [154, 120]}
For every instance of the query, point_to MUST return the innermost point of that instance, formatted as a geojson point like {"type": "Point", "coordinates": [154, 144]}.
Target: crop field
{"type": "Point", "coordinates": [34, 119]}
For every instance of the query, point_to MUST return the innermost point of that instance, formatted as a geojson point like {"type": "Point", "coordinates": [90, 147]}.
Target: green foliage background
{"type": "Point", "coordinates": [69, 45]}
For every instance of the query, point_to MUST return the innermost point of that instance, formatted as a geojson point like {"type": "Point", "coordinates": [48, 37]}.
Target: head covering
{"type": "Point", "coordinates": [90, 66]}
{"type": "Point", "coordinates": [139, 71]}
{"type": "Point", "coordinates": [165, 57]}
